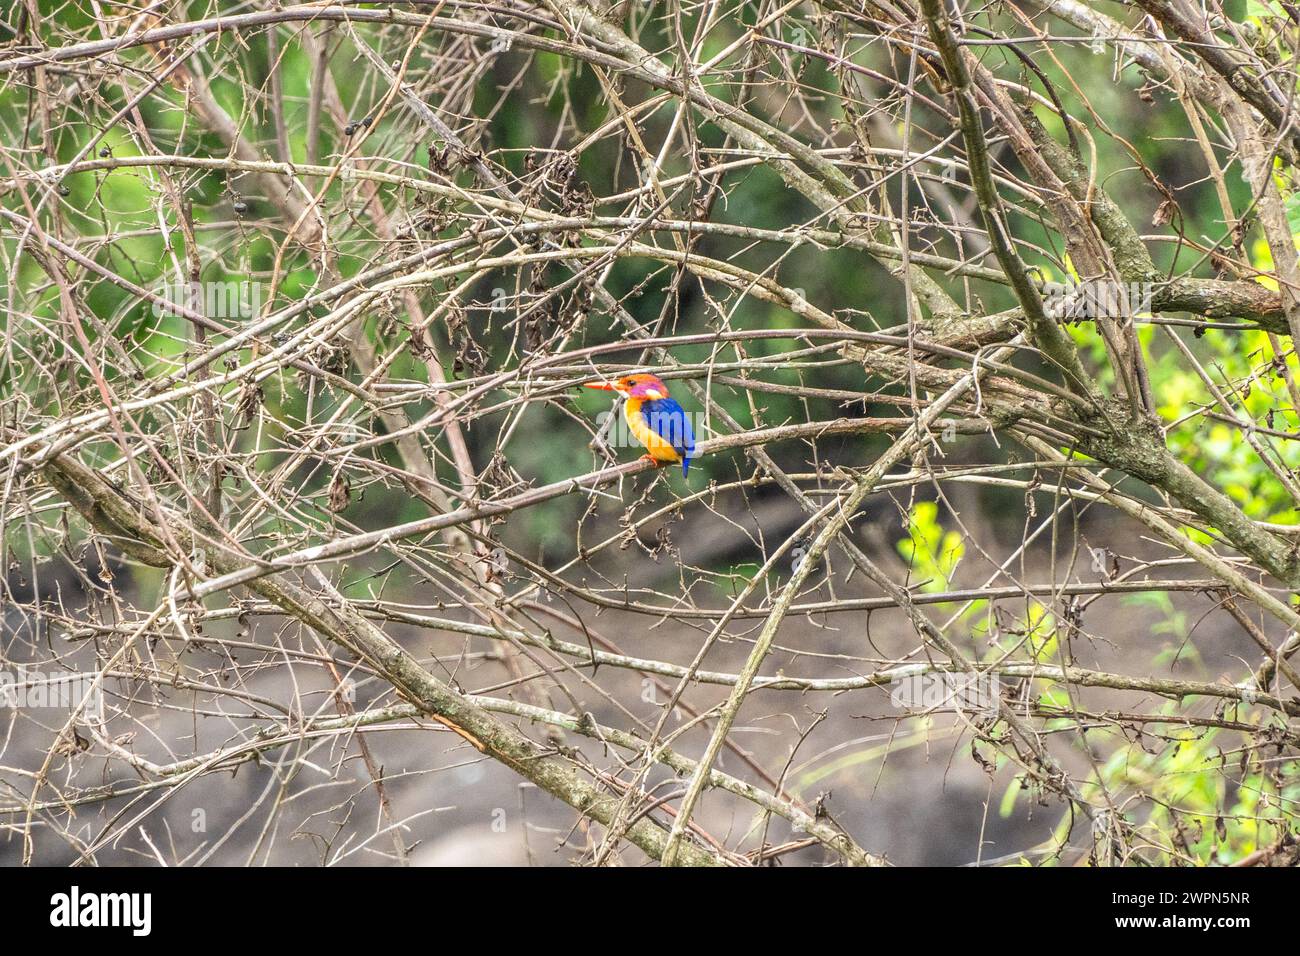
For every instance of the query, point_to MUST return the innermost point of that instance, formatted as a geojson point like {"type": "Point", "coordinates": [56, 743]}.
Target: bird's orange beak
{"type": "Point", "coordinates": [603, 386]}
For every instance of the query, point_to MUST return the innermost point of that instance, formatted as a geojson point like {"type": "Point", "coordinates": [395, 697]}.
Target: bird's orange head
{"type": "Point", "coordinates": [634, 386]}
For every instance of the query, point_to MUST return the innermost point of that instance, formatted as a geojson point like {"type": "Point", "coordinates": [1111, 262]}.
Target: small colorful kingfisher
{"type": "Point", "coordinates": [656, 420]}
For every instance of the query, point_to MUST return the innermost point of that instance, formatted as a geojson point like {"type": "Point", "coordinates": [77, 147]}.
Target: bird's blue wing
{"type": "Point", "coordinates": [672, 423]}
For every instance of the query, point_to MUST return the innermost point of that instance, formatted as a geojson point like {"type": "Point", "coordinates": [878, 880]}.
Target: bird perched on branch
{"type": "Point", "coordinates": [656, 420]}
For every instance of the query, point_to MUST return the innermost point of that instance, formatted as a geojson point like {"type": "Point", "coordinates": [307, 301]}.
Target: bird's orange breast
{"type": "Point", "coordinates": [655, 444]}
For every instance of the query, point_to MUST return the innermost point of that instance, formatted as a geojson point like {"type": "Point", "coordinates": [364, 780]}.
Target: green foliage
{"type": "Point", "coordinates": [931, 552]}
{"type": "Point", "coordinates": [1246, 360]}
{"type": "Point", "coordinates": [1195, 814]}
